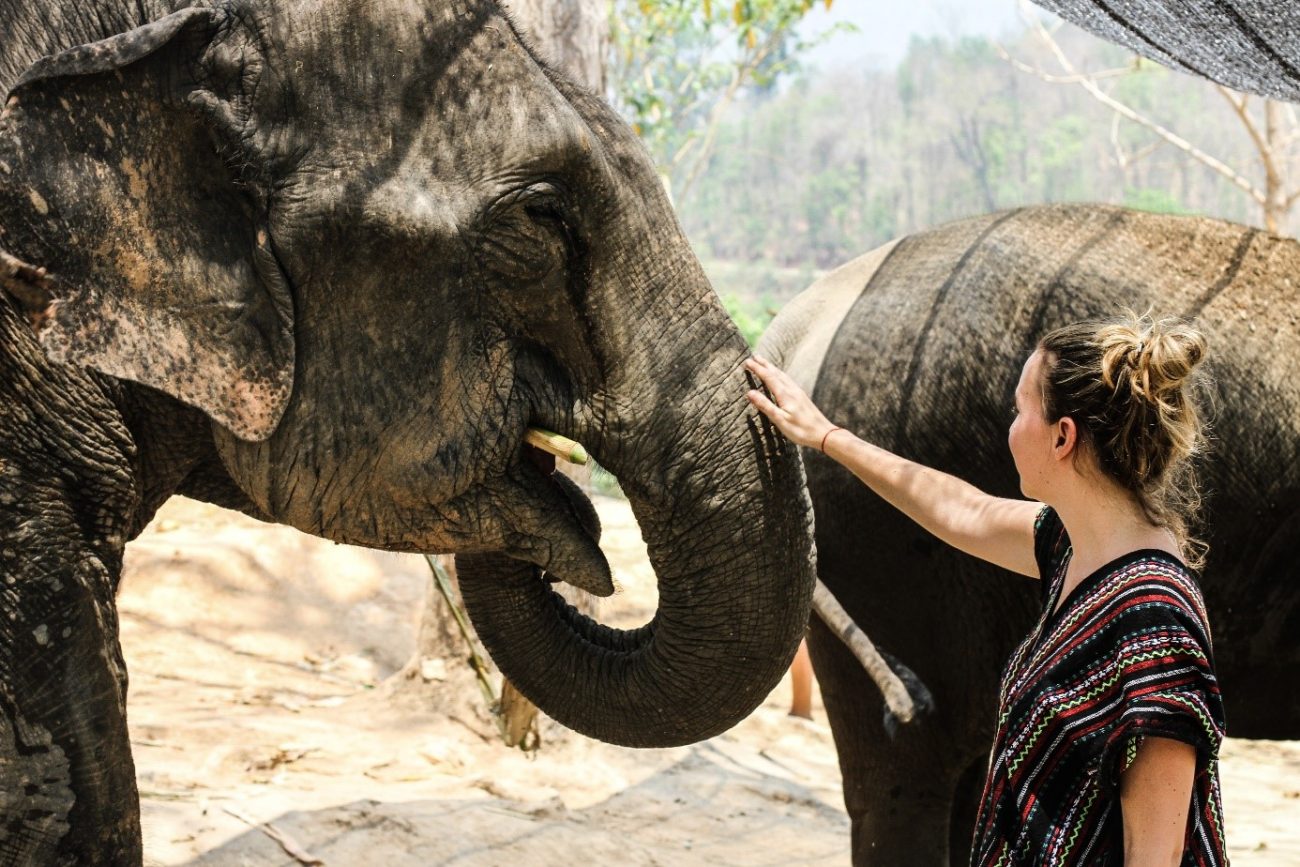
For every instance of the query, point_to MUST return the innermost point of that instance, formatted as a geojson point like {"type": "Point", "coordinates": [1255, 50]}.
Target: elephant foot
{"type": "Point", "coordinates": [35, 789]}
{"type": "Point", "coordinates": [67, 780]}
{"type": "Point", "coordinates": [40, 817]}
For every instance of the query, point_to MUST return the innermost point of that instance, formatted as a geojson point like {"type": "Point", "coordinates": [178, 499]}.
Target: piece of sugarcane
{"type": "Point", "coordinates": [560, 446]}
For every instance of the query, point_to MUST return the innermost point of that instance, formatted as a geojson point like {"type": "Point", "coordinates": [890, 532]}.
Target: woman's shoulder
{"type": "Point", "coordinates": [1151, 588]}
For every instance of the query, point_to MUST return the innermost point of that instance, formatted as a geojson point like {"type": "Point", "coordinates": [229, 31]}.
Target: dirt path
{"type": "Point", "coordinates": [258, 658]}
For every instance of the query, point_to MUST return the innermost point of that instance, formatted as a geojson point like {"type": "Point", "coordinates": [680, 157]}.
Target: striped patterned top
{"type": "Point", "coordinates": [1127, 655]}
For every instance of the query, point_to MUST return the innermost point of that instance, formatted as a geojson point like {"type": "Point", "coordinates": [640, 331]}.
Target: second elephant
{"type": "Point", "coordinates": [917, 347]}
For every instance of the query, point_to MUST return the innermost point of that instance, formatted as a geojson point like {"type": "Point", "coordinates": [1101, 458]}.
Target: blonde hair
{"type": "Point", "coordinates": [1134, 388]}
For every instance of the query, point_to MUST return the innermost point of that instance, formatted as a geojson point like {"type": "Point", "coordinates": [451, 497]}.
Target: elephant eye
{"type": "Point", "coordinates": [526, 235]}
{"type": "Point", "coordinates": [538, 199]}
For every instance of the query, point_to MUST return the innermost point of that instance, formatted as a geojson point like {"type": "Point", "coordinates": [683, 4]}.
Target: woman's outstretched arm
{"type": "Point", "coordinates": [992, 528]}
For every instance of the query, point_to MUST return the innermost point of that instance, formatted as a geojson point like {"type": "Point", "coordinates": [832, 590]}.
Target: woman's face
{"type": "Point", "coordinates": [1031, 439]}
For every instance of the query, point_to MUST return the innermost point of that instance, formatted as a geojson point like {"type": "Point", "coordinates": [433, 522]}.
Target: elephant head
{"type": "Point", "coordinates": [374, 242]}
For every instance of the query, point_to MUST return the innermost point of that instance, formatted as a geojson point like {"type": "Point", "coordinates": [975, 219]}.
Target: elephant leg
{"type": "Point", "coordinates": [67, 781]}
{"type": "Point", "coordinates": [965, 809]}
{"type": "Point", "coordinates": [899, 793]}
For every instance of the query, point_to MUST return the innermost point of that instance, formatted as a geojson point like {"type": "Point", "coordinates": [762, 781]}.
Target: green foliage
{"type": "Point", "coordinates": [1060, 153]}
{"type": "Point", "coordinates": [1146, 89]}
{"type": "Point", "coordinates": [752, 292]}
{"type": "Point", "coordinates": [677, 63]}
{"type": "Point", "coordinates": [836, 164]}
{"type": "Point", "coordinates": [1156, 201]}
{"type": "Point", "coordinates": [752, 316]}
{"type": "Point", "coordinates": [828, 166]}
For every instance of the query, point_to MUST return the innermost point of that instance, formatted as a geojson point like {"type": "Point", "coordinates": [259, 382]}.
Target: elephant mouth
{"type": "Point", "coordinates": [544, 461]}
{"type": "Point", "coordinates": [555, 524]}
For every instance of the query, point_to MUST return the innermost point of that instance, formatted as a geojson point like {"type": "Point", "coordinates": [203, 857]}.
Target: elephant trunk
{"type": "Point", "coordinates": [721, 504]}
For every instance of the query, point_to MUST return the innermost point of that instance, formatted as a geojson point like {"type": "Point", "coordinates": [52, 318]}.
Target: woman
{"type": "Point", "coordinates": [1109, 714]}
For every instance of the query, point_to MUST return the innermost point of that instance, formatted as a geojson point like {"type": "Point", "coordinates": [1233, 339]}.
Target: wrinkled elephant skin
{"type": "Point", "coordinates": [325, 263]}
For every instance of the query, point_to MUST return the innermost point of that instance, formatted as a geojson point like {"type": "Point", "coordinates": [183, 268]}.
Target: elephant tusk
{"type": "Point", "coordinates": [555, 444]}
{"type": "Point", "coordinates": [898, 698]}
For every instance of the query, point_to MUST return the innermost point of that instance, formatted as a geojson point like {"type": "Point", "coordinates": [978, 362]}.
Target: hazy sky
{"type": "Point", "coordinates": [885, 26]}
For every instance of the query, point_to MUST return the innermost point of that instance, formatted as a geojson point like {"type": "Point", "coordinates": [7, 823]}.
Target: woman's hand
{"type": "Point", "coordinates": [991, 528]}
{"type": "Point", "coordinates": [793, 412]}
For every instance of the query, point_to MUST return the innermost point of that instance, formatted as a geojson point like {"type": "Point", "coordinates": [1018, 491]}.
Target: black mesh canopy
{"type": "Point", "coordinates": [1251, 45]}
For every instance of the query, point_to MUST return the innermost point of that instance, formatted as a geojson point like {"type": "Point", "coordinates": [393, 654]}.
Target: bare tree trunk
{"type": "Point", "coordinates": [969, 145]}
{"type": "Point", "coordinates": [1275, 203]}
{"type": "Point", "coordinates": [440, 662]}
{"type": "Point", "coordinates": [571, 34]}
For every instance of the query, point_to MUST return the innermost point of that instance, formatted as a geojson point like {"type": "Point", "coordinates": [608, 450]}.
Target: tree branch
{"type": "Point", "coordinates": [742, 72]}
{"type": "Point", "coordinates": [1077, 78]}
{"type": "Point", "coordinates": [1115, 105]}
{"type": "Point", "coordinates": [1241, 108]}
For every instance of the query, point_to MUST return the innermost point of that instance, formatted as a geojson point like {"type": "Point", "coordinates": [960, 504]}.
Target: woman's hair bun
{"type": "Point", "coordinates": [1133, 388]}
{"type": "Point", "coordinates": [1153, 358]}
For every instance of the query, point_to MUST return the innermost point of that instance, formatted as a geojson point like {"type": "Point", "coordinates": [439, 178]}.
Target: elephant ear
{"type": "Point", "coordinates": [116, 175]}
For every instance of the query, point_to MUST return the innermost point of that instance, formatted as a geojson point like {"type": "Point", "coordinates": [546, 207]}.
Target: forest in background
{"type": "Point", "coordinates": [807, 168]}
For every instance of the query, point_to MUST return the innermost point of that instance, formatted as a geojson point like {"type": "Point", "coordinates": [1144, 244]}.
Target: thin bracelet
{"type": "Point", "coordinates": [828, 433]}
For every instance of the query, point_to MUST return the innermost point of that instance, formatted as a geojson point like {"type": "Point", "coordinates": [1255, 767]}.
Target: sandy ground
{"type": "Point", "coordinates": [263, 706]}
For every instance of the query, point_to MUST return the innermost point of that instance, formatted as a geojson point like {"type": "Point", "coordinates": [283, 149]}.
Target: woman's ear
{"type": "Point", "coordinates": [1067, 437]}
{"type": "Point", "coordinates": [112, 176]}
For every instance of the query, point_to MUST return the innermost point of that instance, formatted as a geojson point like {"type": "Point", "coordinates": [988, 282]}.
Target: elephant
{"type": "Point", "coordinates": [326, 263]}
{"type": "Point", "coordinates": [917, 347]}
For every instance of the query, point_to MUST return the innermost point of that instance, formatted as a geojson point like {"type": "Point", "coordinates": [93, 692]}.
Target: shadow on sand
{"type": "Point", "coordinates": [708, 808]}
